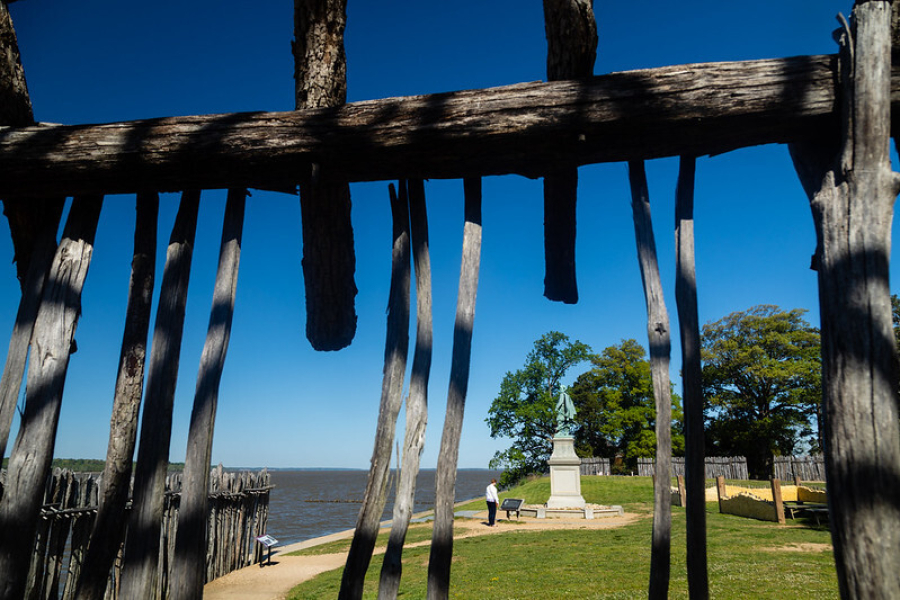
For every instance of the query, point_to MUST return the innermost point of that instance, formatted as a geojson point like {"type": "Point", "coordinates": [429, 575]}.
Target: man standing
{"type": "Point", "coordinates": [493, 500]}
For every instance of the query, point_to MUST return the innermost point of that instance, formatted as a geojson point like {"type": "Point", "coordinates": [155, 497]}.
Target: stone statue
{"type": "Point", "coordinates": [565, 414]}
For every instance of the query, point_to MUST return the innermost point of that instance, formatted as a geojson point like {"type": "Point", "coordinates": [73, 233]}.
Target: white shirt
{"type": "Point", "coordinates": [491, 494]}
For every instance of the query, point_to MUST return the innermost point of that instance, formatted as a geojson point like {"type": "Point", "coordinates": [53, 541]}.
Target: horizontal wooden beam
{"type": "Point", "coordinates": [526, 129]}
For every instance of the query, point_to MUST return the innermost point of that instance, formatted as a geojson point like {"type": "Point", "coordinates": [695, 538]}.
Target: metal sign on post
{"type": "Point", "coordinates": [268, 541]}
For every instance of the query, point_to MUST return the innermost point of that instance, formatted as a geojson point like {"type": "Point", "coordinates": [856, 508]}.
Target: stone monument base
{"type": "Point", "coordinates": [565, 475]}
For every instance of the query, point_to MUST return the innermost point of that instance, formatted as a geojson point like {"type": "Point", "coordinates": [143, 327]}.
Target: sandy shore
{"type": "Point", "coordinates": [273, 582]}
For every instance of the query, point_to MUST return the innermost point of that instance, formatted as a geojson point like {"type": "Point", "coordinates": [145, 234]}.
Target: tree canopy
{"type": "Point", "coordinates": [762, 384]}
{"type": "Point", "coordinates": [616, 408]}
{"type": "Point", "coordinates": [524, 410]}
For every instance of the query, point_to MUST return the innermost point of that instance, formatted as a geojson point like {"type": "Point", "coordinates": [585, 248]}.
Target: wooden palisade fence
{"type": "Point", "coordinates": [833, 110]}
{"type": "Point", "coordinates": [237, 514]}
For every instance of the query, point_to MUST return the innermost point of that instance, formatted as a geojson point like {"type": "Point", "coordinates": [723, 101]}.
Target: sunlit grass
{"type": "Point", "coordinates": [747, 558]}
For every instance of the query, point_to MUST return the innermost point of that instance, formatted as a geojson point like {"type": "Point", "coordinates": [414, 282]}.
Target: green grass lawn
{"type": "Point", "coordinates": [747, 558]}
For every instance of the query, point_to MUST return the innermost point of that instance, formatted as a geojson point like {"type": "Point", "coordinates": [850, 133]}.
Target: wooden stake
{"type": "Point", "coordinates": [777, 501]}
{"type": "Point", "coordinates": [571, 51]}
{"type": "Point", "coordinates": [852, 192]}
{"type": "Point", "coordinates": [396, 349]}
{"type": "Point", "coordinates": [689, 329]}
{"type": "Point", "coordinates": [142, 547]}
{"type": "Point", "coordinates": [660, 349]}
{"type": "Point", "coordinates": [445, 477]}
{"type": "Point", "coordinates": [109, 525]}
{"type": "Point", "coordinates": [329, 259]}
{"type": "Point", "coordinates": [189, 568]}
{"type": "Point", "coordinates": [416, 402]}
{"type": "Point", "coordinates": [52, 343]}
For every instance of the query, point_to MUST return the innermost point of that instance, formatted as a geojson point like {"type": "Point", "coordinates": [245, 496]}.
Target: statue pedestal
{"type": "Point", "coordinates": [565, 475]}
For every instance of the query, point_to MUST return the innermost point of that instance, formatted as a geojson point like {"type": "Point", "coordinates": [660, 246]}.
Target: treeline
{"type": "Point", "coordinates": [88, 465]}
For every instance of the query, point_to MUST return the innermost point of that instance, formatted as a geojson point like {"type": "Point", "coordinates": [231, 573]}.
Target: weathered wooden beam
{"type": "Point", "coordinates": [852, 191]}
{"type": "Point", "coordinates": [526, 128]}
{"type": "Point", "coordinates": [571, 51]}
{"type": "Point", "coordinates": [329, 258]}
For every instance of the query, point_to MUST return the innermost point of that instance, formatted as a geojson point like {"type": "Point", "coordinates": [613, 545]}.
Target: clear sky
{"type": "Point", "coordinates": [282, 404]}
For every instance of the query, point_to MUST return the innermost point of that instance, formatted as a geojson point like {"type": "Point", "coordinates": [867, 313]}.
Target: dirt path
{"type": "Point", "coordinates": [273, 582]}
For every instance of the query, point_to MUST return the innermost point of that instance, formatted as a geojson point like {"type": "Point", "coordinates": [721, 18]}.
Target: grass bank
{"type": "Point", "coordinates": [747, 558]}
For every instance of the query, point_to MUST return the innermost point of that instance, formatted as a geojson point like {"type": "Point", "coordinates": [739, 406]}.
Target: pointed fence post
{"type": "Point", "coordinates": [396, 349]}
{"type": "Point", "coordinates": [109, 524]}
{"type": "Point", "coordinates": [660, 350]}
{"type": "Point", "coordinates": [445, 478]}
{"type": "Point", "coordinates": [52, 344]}
{"type": "Point", "coordinates": [189, 568]}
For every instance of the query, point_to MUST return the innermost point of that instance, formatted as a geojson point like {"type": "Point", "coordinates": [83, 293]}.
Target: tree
{"type": "Point", "coordinates": [524, 409]}
{"type": "Point", "coordinates": [616, 409]}
{"type": "Point", "coordinates": [762, 383]}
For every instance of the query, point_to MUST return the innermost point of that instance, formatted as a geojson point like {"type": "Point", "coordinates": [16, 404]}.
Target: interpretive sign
{"type": "Point", "coordinates": [512, 505]}
{"type": "Point", "coordinates": [268, 541]}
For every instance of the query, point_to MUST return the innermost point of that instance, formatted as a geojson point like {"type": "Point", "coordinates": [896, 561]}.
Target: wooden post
{"type": "Point", "coordinates": [776, 499]}
{"type": "Point", "coordinates": [445, 477]}
{"type": "Point", "coordinates": [721, 491]}
{"type": "Point", "coordinates": [396, 349]}
{"type": "Point", "coordinates": [109, 524]}
{"type": "Point", "coordinates": [38, 217]}
{"type": "Point", "coordinates": [189, 568]}
{"type": "Point", "coordinates": [52, 342]}
{"type": "Point", "coordinates": [571, 51]}
{"type": "Point", "coordinates": [689, 328]}
{"type": "Point", "coordinates": [329, 259]}
{"type": "Point", "coordinates": [142, 545]}
{"type": "Point", "coordinates": [416, 402]}
{"type": "Point", "coordinates": [660, 349]}
{"type": "Point", "coordinates": [852, 192]}
{"type": "Point", "coordinates": [682, 493]}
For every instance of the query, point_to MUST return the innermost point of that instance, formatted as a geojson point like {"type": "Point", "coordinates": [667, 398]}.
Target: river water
{"type": "Point", "coordinates": [306, 504]}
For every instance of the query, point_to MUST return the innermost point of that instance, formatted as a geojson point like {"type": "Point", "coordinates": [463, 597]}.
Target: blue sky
{"type": "Point", "coordinates": [281, 403]}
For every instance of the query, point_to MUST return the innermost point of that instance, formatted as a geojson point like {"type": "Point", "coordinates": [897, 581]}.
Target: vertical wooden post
{"type": "Point", "coordinates": [396, 349]}
{"type": "Point", "coordinates": [109, 524]}
{"type": "Point", "coordinates": [189, 568]}
{"type": "Point", "coordinates": [852, 192]}
{"type": "Point", "coordinates": [721, 491]}
{"type": "Point", "coordinates": [682, 493]}
{"type": "Point", "coordinates": [40, 216]}
{"type": "Point", "coordinates": [571, 51]}
{"type": "Point", "coordinates": [142, 545]}
{"type": "Point", "coordinates": [660, 349]}
{"type": "Point", "coordinates": [777, 500]}
{"type": "Point", "coordinates": [416, 402]}
{"type": "Point", "coordinates": [445, 478]}
{"type": "Point", "coordinates": [689, 328]}
{"type": "Point", "coordinates": [329, 259]}
{"type": "Point", "coordinates": [52, 343]}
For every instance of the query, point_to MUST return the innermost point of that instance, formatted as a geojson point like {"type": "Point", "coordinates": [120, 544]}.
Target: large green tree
{"type": "Point", "coordinates": [616, 409]}
{"type": "Point", "coordinates": [762, 383]}
{"type": "Point", "coordinates": [524, 410]}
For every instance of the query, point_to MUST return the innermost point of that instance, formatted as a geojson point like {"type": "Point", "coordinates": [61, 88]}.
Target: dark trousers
{"type": "Point", "coordinates": [492, 512]}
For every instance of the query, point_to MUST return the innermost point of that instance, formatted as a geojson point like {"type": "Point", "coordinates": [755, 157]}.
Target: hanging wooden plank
{"type": "Point", "coordinates": [142, 549]}
{"type": "Point", "coordinates": [329, 257]}
{"type": "Point", "coordinates": [445, 477]}
{"type": "Point", "coordinates": [52, 342]}
{"type": "Point", "coordinates": [416, 401]}
{"type": "Point", "coordinates": [571, 51]}
{"type": "Point", "coordinates": [852, 191]}
{"type": "Point", "coordinates": [660, 350]}
{"type": "Point", "coordinates": [396, 350]}
{"type": "Point", "coordinates": [689, 330]}
{"type": "Point", "coordinates": [526, 128]}
{"type": "Point", "coordinates": [109, 525]}
{"type": "Point", "coordinates": [189, 568]}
